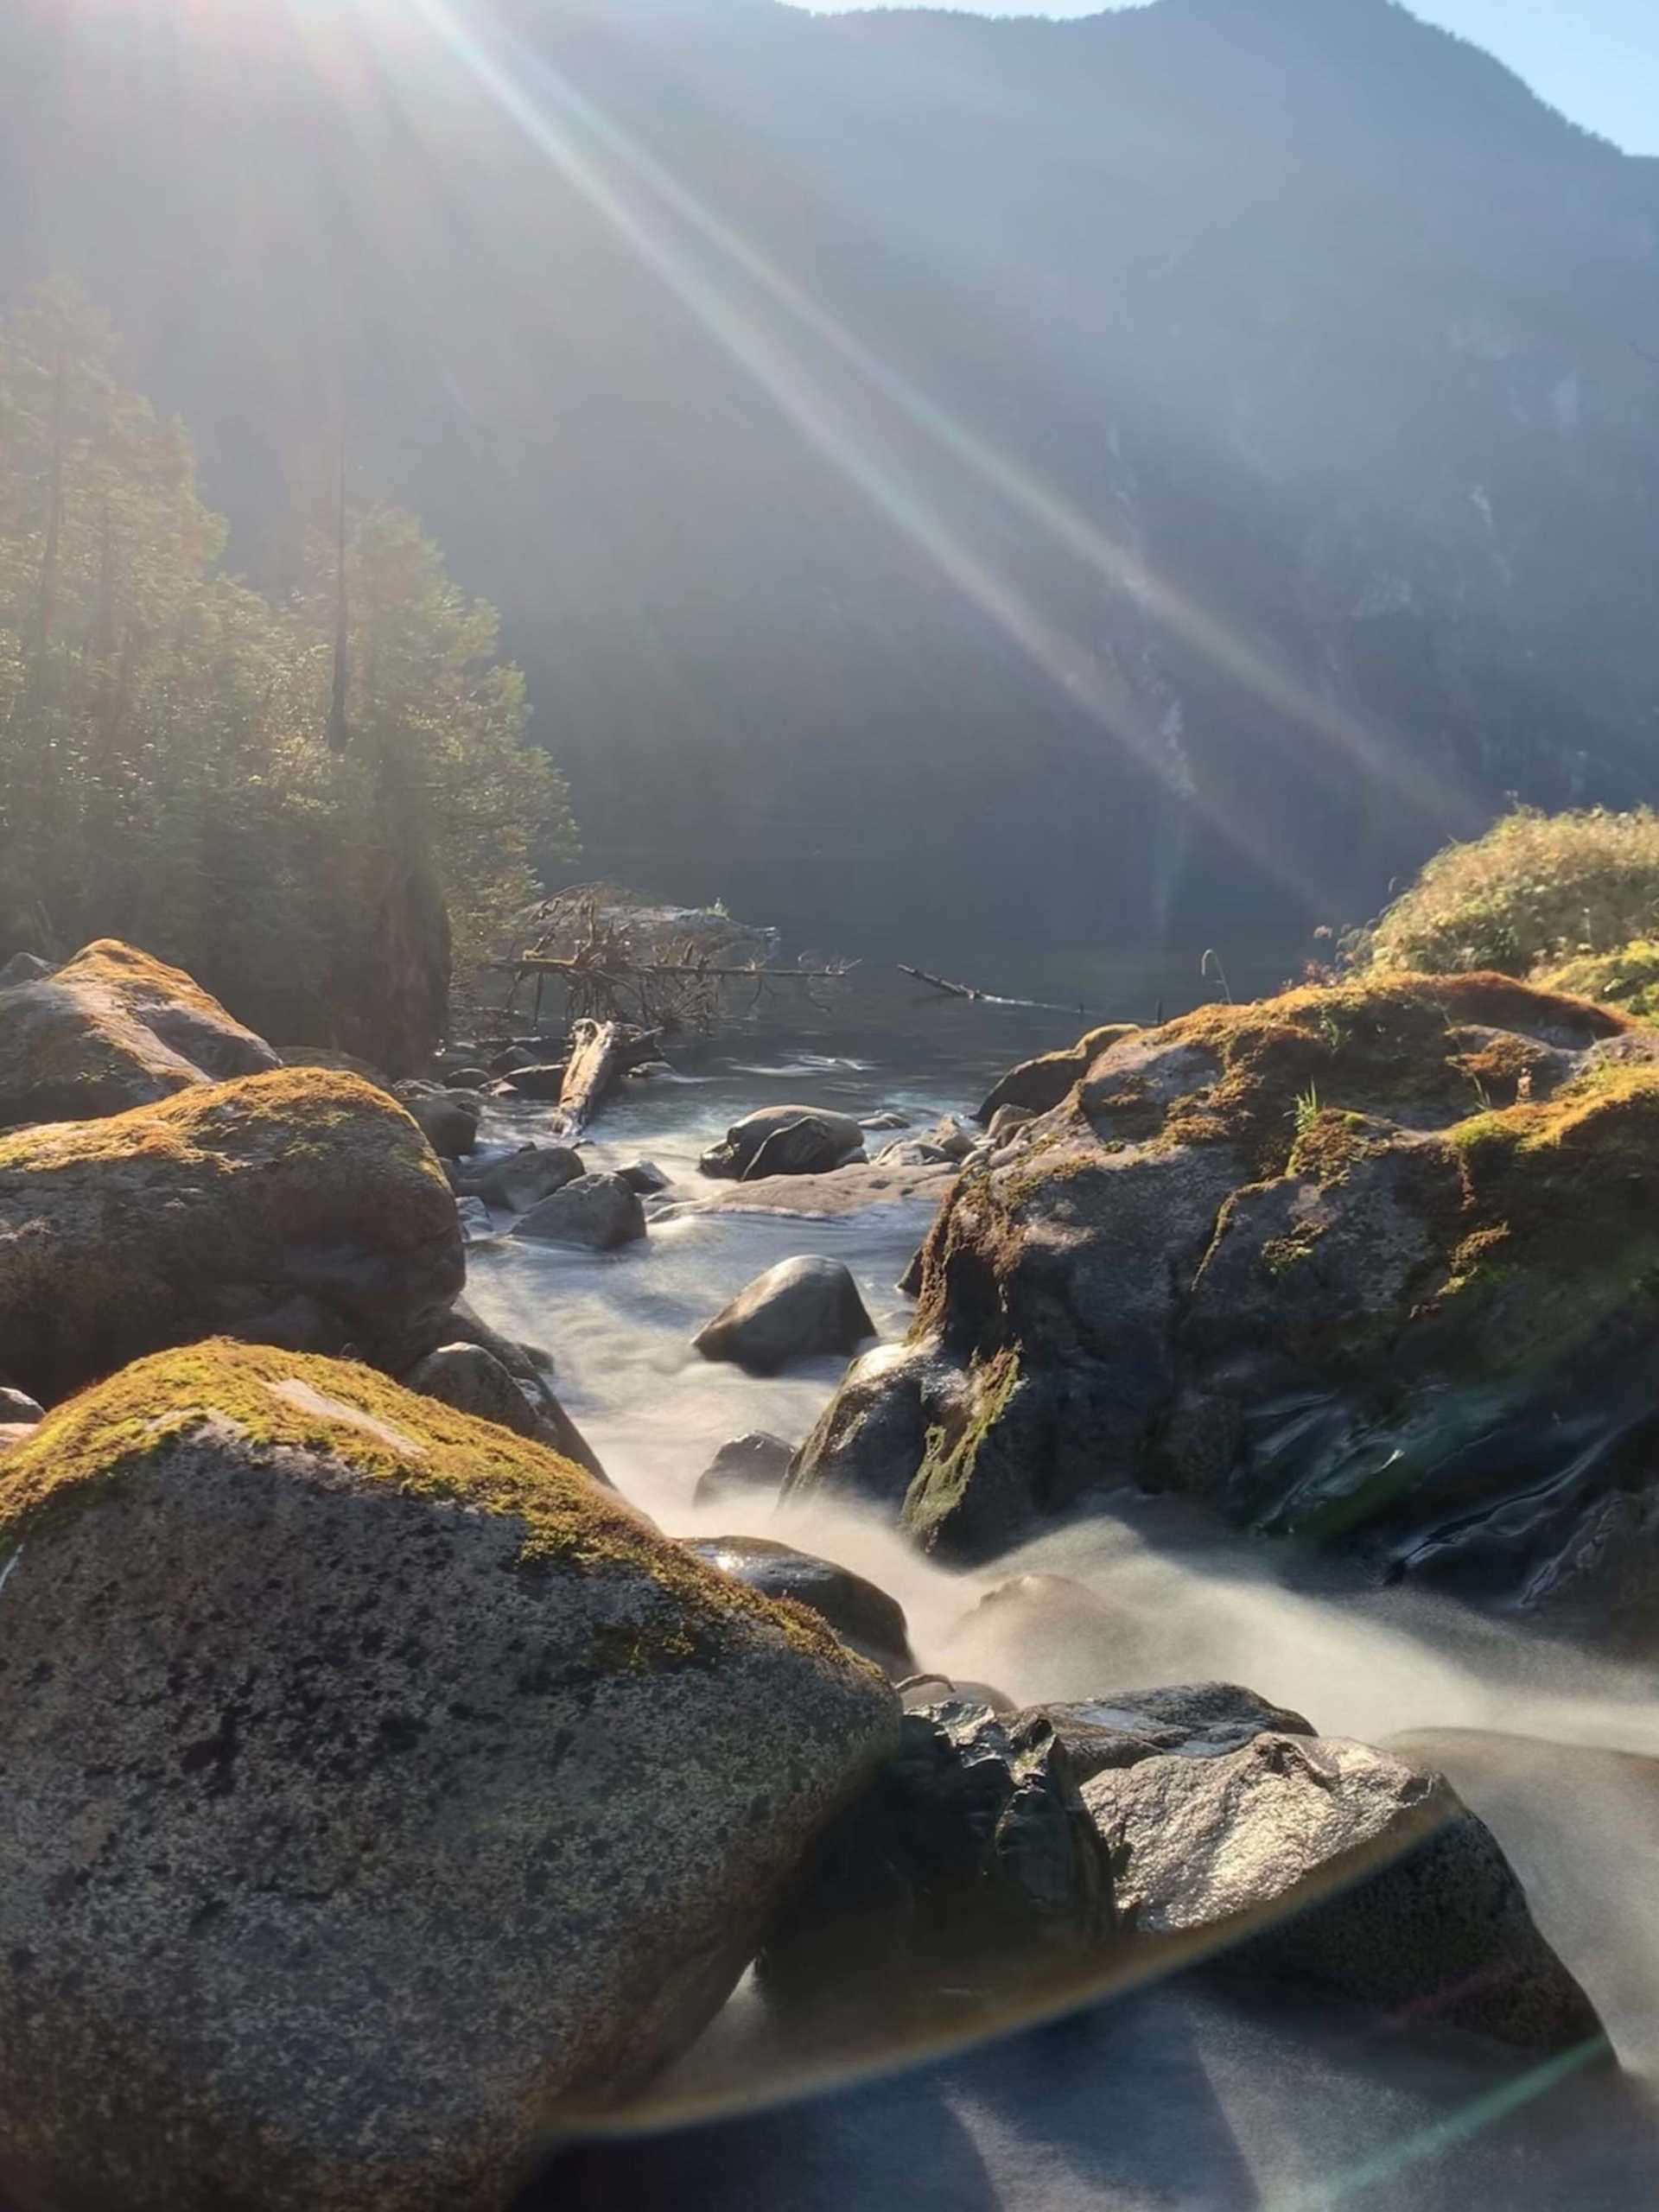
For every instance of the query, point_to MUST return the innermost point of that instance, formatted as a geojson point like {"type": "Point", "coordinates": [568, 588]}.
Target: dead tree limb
{"type": "Point", "coordinates": [601, 1052]}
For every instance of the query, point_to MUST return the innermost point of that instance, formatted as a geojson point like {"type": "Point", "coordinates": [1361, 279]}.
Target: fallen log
{"type": "Point", "coordinates": [941, 983]}
{"type": "Point", "coordinates": [601, 1052]}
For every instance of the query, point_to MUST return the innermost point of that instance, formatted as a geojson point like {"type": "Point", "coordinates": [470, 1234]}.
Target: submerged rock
{"type": "Point", "coordinates": [784, 1140]}
{"type": "Point", "coordinates": [299, 1208]}
{"type": "Point", "coordinates": [1329, 1865]}
{"type": "Point", "coordinates": [865, 1617]}
{"type": "Point", "coordinates": [743, 1466]}
{"type": "Point", "coordinates": [381, 1792]}
{"type": "Point", "coordinates": [112, 1029]}
{"type": "Point", "coordinates": [1369, 1263]}
{"type": "Point", "coordinates": [801, 1309]}
{"type": "Point", "coordinates": [599, 1212]}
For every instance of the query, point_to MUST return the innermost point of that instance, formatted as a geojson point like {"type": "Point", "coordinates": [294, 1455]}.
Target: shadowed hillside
{"type": "Point", "coordinates": [965, 482]}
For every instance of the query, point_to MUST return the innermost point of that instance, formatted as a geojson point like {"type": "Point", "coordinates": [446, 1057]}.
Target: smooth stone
{"type": "Point", "coordinates": [17, 1406]}
{"type": "Point", "coordinates": [864, 1617]}
{"type": "Point", "coordinates": [802, 1308]}
{"type": "Point", "coordinates": [743, 1466]}
{"type": "Point", "coordinates": [598, 1211]}
{"type": "Point", "coordinates": [519, 1181]}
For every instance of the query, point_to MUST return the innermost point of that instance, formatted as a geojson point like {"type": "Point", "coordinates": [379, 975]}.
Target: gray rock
{"type": "Point", "coordinates": [743, 1466]}
{"type": "Point", "coordinates": [953, 1137]}
{"type": "Point", "coordinates": [913, 1152]}
{"type": "Point", "coordinates": [298, 1207]}
{"type": "Point", "coordinates": [644, 1176]}
{"type": "Point", "coordinates": [474, 1218]}
{"type": "Point", "coordinates": [1347, 1871]}
{"type": "Point", "coordinates": [109, 1030]}
{"type": "Point", "coordinates": [1197, 1720]}
{"type": "Point", "coordinates": [25, 967]}
{"type": "Point", "coordinates": [467, 1078]}
{"type": "Point", "coordinates": [524, 1177]}
{"type": "Point", "coordinates": [599, 1212]}
{"type": "Point", "coordinates": [786, 1140]}
{"type": "Point", "coordinates": [1041, 1084]}
{"type": "Point", "coordinates": [886, 1119]}
{"type": "Point", "coordinates": [1007, 1122]}
{"type": "Point", "coordinates": [510, 1059]}
{"type": "Point", "coordinates": [472, 1379]}
{"type": "Point", "coordinates": [848, 1190]}
{"type": "Point", "coordinates": [18, 1408]}
{"type": "Point", "coordinates": [448, 1120]}
{"type": "Point", "coordinates": [864, 1618]}
{"type": "Point", "coordinates": [801, 1309]}
{"type": "Point", "coordinates": [970, 1857]}
{"type": "Point", "coordinates": [367, 1709]}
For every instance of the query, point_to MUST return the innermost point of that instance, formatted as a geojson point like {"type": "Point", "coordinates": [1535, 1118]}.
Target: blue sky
{"type": "Point", "coordinates": [1598, 60]}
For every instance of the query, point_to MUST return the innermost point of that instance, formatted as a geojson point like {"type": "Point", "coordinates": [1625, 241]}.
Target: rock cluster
{"type": "Point", "coordinates": [1371, 1263]}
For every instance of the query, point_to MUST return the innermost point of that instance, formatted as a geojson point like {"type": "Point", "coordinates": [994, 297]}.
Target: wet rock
{"type": "Point", "coordinates": [298, 1207]}
{"type": "Point", "coordinates": [18, 1408]}
{"type": "Point", "coordinates": [448, 1120]}
{"type": "Point", "coordinates": [865, 1617]}
{"type": "Point", "coordinates": [644, 1176]}
{"type": "Point", "coordinates": [353, 1701]}
{"type": "Point", "coordinates": [530, 1366]}
{"type": "Point", "coordinates": [1039, 1085]}
{"type": "Point", "coordinates": [801, 1309]}
{"type": "Point", "coordinates": [474, 1381]}
{"type": "Point", "coordinates": [109, 1030]}
{"type": "Point", "coordinates": [1195, 1720]}
{"type": "Point", "coordinates": [886, 1119]}
{"type": "Point", "coordinates": [743, 1467]}
{"type": "Point", "coordinates": [474, 1218]}
{"type": "Point", "coordinates": [784, 1140]}
{"type": "Point", "coordinates": [1348, 1870]}
{"type": "Point", "coordinates": [599, 1212]}
{"type": "Point", "coordinates": [913, 1152]}
{"type": "Point", "coordinates": [510, 1059]}
{"type": "Point", "coordinates": [849, 1190]}
{"type": "Point", "coordinates": [971, 1857]}
{"type": "Point", "coordinates": [1300, 1261]}
{"type": "Point", "coordinates": [910, 1283]}
{"type": "Point", "coordinates": [467, 1078]}
{"type": "Point", "coordinates": [954, 1137]}
{"type": "Point", "coordinates": [524, 1177]}
{"type": "Point", "coordinates": [919, 1691]}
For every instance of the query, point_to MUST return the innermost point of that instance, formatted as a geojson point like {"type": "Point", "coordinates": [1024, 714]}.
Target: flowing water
{"type": "Point", "coordinates": [1174, 2094]}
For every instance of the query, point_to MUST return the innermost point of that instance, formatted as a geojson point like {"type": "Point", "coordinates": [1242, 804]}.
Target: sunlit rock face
{"type": "Point", "coordinates": [1375, 1264]}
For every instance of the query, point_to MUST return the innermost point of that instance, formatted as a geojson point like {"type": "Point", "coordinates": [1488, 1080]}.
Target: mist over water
{"type": "Point", "coordinates": [1550, 1744]}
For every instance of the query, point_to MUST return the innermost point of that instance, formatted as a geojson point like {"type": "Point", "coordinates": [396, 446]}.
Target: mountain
{"type": "Point", "coordinates": [959, 486]}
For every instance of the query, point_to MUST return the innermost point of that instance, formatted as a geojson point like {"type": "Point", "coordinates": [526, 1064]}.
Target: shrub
{"type": "Point", "coordinates": [1537, 891]}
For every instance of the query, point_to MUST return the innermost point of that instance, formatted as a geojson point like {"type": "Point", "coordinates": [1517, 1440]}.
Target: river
{"type": "Point", "coordinates": [1172, 2095]}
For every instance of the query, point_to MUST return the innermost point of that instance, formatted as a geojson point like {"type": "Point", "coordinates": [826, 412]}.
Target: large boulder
{"type": "Point", "coordinates": [971, 1859]}
{"type": "Point", "coordinates": [1337, 1867]}
{"type": "Point", "coordinates": [111, 1029]}
{"type": "Point", "coordinates": [802, 1308]}
{"type": "Point", "coordinates": [446, 1119]}
{"type": "Point", "coordinates": [381, 1792]}
{"type": "Point", "coordinates": [299, 1208]}
{"type": "Point", "coordinates": [1373, 1263]}
{"type": "Point", "coordinates": [598, 1211]}
{"type": "Point", "coordinates": [864, 1618]}
{"type": "Point", "coordinates": [784, 1140]}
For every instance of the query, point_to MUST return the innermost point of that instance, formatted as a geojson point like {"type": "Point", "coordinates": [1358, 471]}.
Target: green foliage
{"type": "Point", "coordinates": [1628, 978]}
{"type": "Point", "coordinates": [1536, 891]}
{"type": "Point", "coordinates": [163, 774]}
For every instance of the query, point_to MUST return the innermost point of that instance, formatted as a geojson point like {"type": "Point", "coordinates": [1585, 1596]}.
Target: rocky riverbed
{"type": "Point", "coordinates": [1122, 1741]}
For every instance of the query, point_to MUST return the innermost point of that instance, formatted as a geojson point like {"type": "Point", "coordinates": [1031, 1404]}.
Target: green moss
{"type": "Point", "coordinates": [1628, 978]}
{"type": "Point", "coordinates": [105, 1439]}
{"type": "Point", "coordinates": [951, 1460]}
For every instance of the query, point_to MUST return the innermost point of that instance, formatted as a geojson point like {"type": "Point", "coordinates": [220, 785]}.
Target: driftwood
{"type": "Point", "coordinates": [601, 1052]}
{"type": "Point", "coordinates": [941, 984]}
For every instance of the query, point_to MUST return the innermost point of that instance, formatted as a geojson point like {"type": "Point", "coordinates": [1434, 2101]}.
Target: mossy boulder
{"type": "Point", "coordinates": [1377, 1264]}
{"type": "Point", "coordinates": [301, 1207]}
{"type": "Point", "coordinates": [1036, 1086]}
{"type": "Point", "coordinates": [112, 1029]}
{"type": "Point", "coordinates": [381, 1793]}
